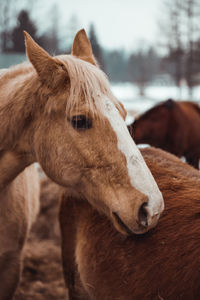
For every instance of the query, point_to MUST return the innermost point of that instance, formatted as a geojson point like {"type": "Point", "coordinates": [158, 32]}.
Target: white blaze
{"type": "Point", "coordinates": [140, 175]}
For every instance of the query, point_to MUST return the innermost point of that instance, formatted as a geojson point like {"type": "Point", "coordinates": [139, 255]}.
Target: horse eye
{"type": "Point", "coordinates": [81, 122]}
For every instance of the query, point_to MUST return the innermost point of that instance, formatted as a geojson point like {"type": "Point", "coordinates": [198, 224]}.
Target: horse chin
{"type": "Point", "coordinates": [135, 229]}
{"type": "Point", "coordinates": [121, 227]}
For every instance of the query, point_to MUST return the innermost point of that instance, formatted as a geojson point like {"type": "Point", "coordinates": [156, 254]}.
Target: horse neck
{"type": "Point", "coordinates": [16, 115]}
{"type": "Point", "coordinates": [11, 164]}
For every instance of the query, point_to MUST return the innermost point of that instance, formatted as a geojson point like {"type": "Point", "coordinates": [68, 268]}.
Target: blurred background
{"type": "Point", "coordinates": [150, 50]}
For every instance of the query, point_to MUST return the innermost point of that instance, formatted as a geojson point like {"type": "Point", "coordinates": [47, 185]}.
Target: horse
{"type": "Point", "coordinates": [60, 112]}
{"type": "Point", "coordinates": [100, 263]}
{"type": "Point", "coordinates": [19, 205]}
{"type": "Point", "coordinates": [172, 126]}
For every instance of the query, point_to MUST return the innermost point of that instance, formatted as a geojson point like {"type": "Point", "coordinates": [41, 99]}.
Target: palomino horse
{"type": "Point", "coordinates": [60, 112]}
{"type": "Point", "coordinates": [19, 204]}
{"type": "Point", "coordinates": [99, 263]}
{"type": "Point", "coordinates": [172, 126]}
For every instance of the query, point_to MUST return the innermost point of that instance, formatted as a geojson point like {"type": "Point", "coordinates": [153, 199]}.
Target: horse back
{"type": "Point", "coordinates": [190, 105]}
{"type": "Point", "coordinates": [192, 112]}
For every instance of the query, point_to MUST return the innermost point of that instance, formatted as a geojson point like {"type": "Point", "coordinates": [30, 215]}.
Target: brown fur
{"type": "Point", "coordinates": [171, 126]}
{"type": "Point", "coordinates": [37, 103]}
{"type": "Point", "coordinates": [19, 205]}
{"type": "Point", "coordinates": [99, 263]}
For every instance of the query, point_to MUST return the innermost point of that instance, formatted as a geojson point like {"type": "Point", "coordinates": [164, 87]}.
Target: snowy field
{"type": "Point", "coordinates": [128, 94]}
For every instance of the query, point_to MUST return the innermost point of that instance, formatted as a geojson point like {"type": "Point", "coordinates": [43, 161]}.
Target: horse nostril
{"type": "Point", "coordinates": [143, 215]}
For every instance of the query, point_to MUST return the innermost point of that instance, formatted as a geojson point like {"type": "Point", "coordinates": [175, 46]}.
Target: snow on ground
{"type": "Point", "coordinates": [128, 94]}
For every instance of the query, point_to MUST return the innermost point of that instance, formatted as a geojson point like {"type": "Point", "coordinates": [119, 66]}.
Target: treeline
{"type": "Point", "coordinates": [179, 38]}
{"type": "Point", "coordinates": [140, 67]}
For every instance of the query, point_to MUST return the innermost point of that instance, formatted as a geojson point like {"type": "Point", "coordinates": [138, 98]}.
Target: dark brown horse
{"type": "Point", "coordinates": [172, 126]}
{"type": "Point", "coordinates": [100, 263]}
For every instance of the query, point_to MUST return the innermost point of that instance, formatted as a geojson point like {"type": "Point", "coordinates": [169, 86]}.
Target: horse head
{"type": "Point", "coordinates": [82, 142]}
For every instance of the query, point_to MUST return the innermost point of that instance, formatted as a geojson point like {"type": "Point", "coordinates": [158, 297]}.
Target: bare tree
{"type": "Point", "coordinates": [23, 23]}
{"type": "Point", "coordinates": [9, 10]}
{"type": "Point", "coordinates": [6, 14]}
{"type": "Point", "coordinates": [191, 9]}
{"type": "Point", "coordinates": [143, 66]}
{"type": "Point", "coordinates": [171, 31]}
{"type": "Point", "coordinates": [181, 31]}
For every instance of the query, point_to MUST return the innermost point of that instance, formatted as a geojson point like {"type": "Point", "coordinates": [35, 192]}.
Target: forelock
{"type": "Point", "coordinates": [88, 86]}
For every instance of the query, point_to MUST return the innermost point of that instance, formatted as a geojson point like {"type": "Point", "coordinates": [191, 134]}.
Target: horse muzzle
{"type": "Point", "coordinates": [144, 221]}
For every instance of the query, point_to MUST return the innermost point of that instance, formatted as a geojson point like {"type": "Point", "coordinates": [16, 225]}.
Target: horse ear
{"type": "Point", "coordinates": [82, 47]}
{"type": "Point", "coordinates": [48, 68]}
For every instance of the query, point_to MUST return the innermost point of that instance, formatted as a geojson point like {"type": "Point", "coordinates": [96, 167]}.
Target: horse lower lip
{"type": "Point", "coordinates": [121, 223]}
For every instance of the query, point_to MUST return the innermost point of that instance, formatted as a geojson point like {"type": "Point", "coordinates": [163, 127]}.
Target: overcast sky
{"type": "Point", "coordinates": [119, 23]}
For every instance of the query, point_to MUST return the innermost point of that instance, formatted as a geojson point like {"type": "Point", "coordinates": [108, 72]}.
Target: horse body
{"type": "Point", "coordinates": [19, 205]}
{"type": "Point", "coordinates": [99, 263]}
{"type": "Point", "coordinates": [171, 126]}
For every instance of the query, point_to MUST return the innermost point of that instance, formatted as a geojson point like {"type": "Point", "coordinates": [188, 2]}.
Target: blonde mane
{"type": "Point", "coordinates": [86, 82]}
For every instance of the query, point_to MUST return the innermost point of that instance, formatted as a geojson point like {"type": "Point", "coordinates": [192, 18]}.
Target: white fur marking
{"type": "Point", "coordinates": [140, 176]}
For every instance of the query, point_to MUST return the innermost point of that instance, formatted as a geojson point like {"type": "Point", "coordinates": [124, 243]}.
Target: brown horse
{"type": "Point", "coordinates": [19, 205]}
{"type": "Point", "coordinates": [99, 263]}
{"type": "Point", "coordinates": [172, 126]}
{"type": "Point", "coordinates": [60, 112]}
